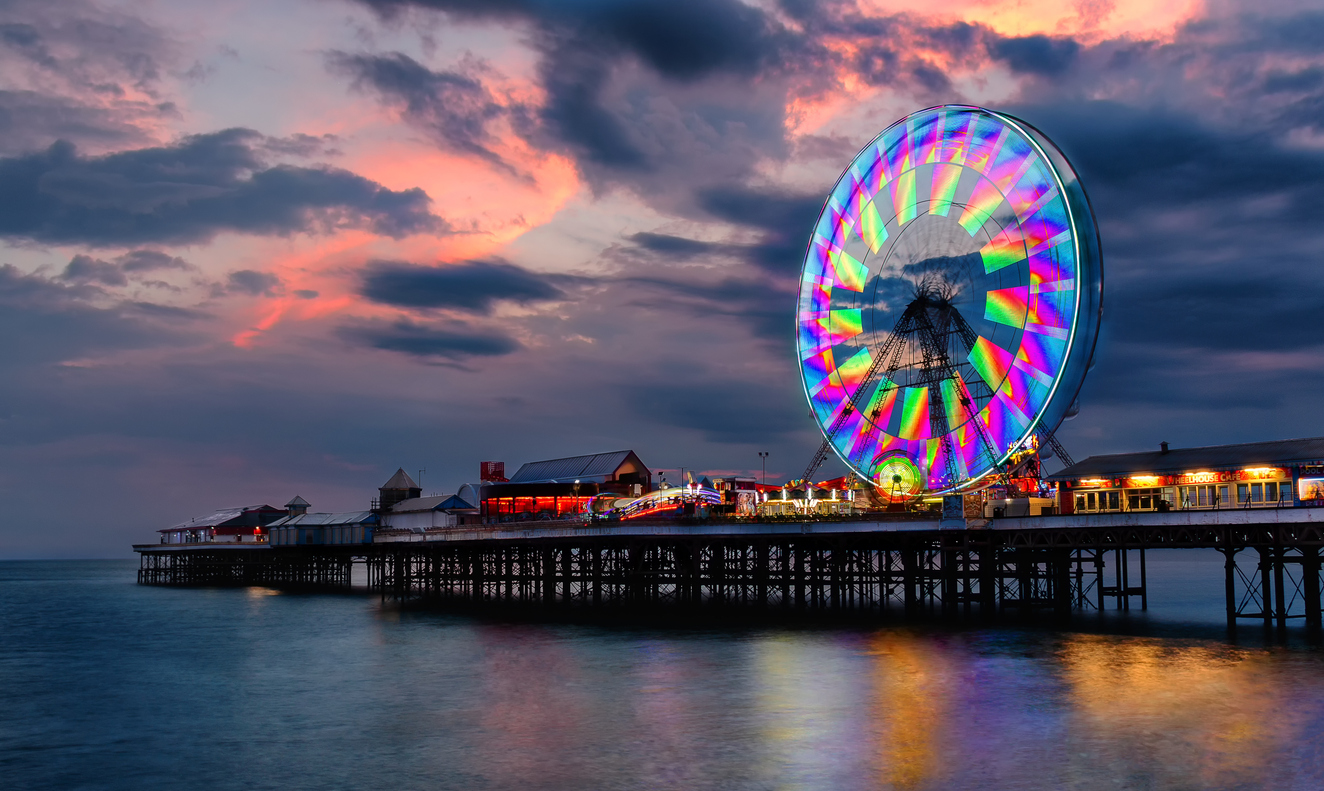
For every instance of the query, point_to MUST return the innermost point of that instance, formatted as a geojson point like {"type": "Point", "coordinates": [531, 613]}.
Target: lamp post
{"type": "Point", "coordinates": [763, 457]}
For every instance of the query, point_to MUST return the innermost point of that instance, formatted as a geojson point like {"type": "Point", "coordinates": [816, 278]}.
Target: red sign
{"type": "Point", "coordinates": [1187, 478]}
{"type": "Point", "coordinates": [492, 471]}
{"type": "Point", "coordinates": [1251, 474]}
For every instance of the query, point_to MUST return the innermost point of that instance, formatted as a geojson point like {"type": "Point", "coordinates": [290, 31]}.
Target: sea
{"type": "Point", "coordinates": [105, 684]}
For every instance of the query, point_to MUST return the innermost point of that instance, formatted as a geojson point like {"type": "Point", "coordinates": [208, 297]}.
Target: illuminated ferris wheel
{"type": "Point", "coordinates": [949, 301]}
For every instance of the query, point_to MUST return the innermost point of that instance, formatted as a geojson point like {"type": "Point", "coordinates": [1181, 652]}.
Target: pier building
{"type": "Point", "coordinates": [1278, 474]}
{"type": "Point", "coordinates": [430, 513]}
{"type": "Point", "coordinates": [557, 488]}
{"type": "Point", "coordinates": [245, 523]}
{"type": "Point", "coordinates": [305, 529]}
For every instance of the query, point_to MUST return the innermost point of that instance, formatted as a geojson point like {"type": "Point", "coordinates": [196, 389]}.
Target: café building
{"type": "Point", "coordinates": [1278, 474]}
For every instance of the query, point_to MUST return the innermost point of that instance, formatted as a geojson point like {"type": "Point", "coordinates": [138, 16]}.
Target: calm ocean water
{"type": "Point", "coordinates": [108, 685]}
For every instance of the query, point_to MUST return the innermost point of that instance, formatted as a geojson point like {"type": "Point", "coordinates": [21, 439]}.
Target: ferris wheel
{"type": "Point", "coordinates": [949, 301]}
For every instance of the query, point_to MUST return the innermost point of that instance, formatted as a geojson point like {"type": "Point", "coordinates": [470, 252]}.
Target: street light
{"type": "Point", "coordinates": [763, 457]}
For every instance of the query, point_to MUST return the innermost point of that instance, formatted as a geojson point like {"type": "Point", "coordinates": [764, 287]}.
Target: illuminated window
{"type": "Point", "coordinates": [1142, 499]}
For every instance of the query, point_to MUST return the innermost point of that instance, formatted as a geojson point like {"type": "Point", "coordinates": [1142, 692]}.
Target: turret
{"type": "Point", "coordinates": [400, 487]}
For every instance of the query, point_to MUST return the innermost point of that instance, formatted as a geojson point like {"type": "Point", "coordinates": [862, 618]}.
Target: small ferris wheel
{"type": "Point", "coordinates": [949, 302]}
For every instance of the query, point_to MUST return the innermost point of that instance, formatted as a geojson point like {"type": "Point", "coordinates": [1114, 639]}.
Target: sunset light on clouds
{"type": "Point", "coordinates": [264, 249]}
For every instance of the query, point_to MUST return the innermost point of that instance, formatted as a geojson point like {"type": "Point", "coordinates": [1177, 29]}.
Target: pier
{"type": "Point", "coordinates": [1055, 565]}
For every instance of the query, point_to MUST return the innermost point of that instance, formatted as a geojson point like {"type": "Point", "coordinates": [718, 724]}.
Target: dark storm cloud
{"type": "Point", "coordinates": [99, 72]}
{"type": "Point", "coordinates": [1170, 186]}
{"type": "Point", "coordinates": [456, 107]}
{"type": "Point", "coordinates": [45, 321]}
{"type": "Point", "coordinates": [1278, 81]}
{"type": "Point", "coordinates": [675, 99]}
{"type": "Point", "coordinates": [150, 261]}
{"type": "Point", "coordinates": [1036, 54]}
{"type": "Point", "coordinates": [1206, 210]}
{"type": "Point", "coordinates": [451, 341]}
{"type": "Point", "coordinates": [676, 247]}
{"type": "Point", "coordinates": [189, 192]}
{"type": "Point", "coordinates": [472, 286]}
{"type": "Point", "coordinates": [252, 283]}
{"type": "Point", "coordinates": [786, 220]}
{"type": "Point", "coordinates": [652, 95]}
{"type": "Point", "coordinates": [85, 268]}
{"type": "Point", "coordinates": [30, 120]}
{"type": "Point", "coordinates": [683, 39]}
{"type": "Point", "coordinates": [85, 44]}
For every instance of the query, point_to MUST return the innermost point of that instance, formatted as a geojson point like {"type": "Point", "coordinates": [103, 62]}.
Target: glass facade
{"type": "Point", "coordinates": [1250, 487]}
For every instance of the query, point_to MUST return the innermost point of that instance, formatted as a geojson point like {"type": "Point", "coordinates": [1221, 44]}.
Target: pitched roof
{"type": "Point", "coordinates": [400, 480]}
{"type": "Point", "coordinates": [297, 502]}
{"type": "Point", "coordinates": [1287, 451]}
{"type": "Point", "coordinates": [457, 503]}
{"type": "Point", "coordinates": [439, 502]}
{"type": "Point", "coordinates": [220, 517]}
{"type": "Point", "coordinates": [595, 467]}
{"type": "Point", "coordinates": [326, 520]}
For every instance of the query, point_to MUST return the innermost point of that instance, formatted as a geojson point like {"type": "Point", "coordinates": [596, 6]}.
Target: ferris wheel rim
{"type": "Point", "coordinates": [1085, 254]}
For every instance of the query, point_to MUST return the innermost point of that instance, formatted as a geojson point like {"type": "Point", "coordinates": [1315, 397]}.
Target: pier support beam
{"type": "Point", "coordinates": [1310, 586]}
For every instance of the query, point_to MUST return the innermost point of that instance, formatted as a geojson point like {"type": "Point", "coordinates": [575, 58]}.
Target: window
{"type": "Point", "coordinates": [1257, 492]}
{"type": "Point", "coordinates": [1142, 499]}
{"type": "Point", "coordinates": [1089, 498]}
{"type": "Point", "coordinates": [1198, 496]}
{"type": "Point", "coordinates": [1114, 501]}
{"type": "Point", "coordinates": [1080, 502]}
{"type": "Point", "coordinates": [1271, 492]}
{"type": "Point", "coordinates": [1222, 496]}
{"type": "Point", "coordinates": [1243, 494]}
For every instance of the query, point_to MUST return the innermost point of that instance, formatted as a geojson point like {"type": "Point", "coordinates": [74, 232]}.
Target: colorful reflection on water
{"type": "Point", "coordinates": [107, 685]}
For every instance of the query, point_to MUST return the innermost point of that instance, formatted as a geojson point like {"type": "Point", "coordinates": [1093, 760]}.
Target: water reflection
{"type": "Point", "coordinates": [912, 692]}
{"type": "Point", "coordinates": [1189, 715]}
{"type": "Point", "coordinates": [98, 679]}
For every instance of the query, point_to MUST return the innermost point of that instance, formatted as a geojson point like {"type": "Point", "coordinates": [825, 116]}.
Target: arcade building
{"type": "Point", "coordinates": [559, 488]}
{"type": "Point", "coordinates": [1278, 474]}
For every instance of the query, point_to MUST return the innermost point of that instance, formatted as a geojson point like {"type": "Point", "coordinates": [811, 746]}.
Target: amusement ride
{"type": "Point", "coordinates": [949, 304]}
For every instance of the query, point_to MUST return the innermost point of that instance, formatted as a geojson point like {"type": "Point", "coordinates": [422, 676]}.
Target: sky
{"type": "Point", "coordinates": [253, 250]}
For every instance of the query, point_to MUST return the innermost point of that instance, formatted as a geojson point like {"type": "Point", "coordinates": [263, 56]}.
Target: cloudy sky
{"type": "Point", "coordinates": [252, 250]}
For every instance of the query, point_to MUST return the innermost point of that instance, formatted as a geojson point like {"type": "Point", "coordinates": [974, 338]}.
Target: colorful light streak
{"type": "Point", "coordinates": [665, 501]}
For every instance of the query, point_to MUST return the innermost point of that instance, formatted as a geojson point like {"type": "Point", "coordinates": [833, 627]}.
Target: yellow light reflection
{"type": "Point", "coordinates": [1191, 716]}
{"type": "Point", "coordinates": [911, 684]}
